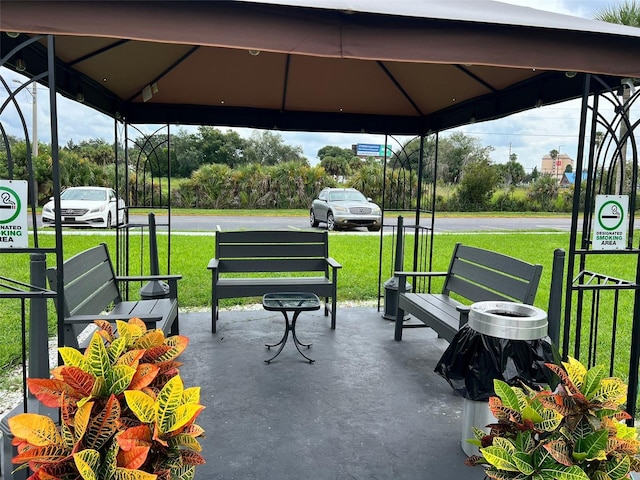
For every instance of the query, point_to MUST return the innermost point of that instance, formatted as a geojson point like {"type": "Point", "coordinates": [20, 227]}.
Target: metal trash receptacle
{"type": "Point", "coordinates": [391, 298]}
{"type": "Point", "coordinates": [505, 339]}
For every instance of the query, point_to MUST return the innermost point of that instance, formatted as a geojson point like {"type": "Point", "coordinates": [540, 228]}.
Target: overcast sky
{"type": "Point", "coordinates": [529, 135]}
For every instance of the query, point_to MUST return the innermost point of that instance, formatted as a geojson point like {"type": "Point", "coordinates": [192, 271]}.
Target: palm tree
{"type": "Point", "coordinates": [626, 13]}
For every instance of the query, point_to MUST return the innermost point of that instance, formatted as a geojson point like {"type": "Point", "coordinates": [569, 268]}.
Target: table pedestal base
{"type": "Point", "coordinates": [289, 327]}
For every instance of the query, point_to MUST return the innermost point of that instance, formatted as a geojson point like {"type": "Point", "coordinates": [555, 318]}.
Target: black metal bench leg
{"type": "Point", "coordinates": [399, 324]}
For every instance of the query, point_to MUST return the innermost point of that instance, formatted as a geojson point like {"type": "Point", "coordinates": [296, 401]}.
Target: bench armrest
{"type": "Point", "coordinates": [403, 275]}
{"type": "Point", "coordinates": [464, 314]}
{"type": "Point", "coordinates": [332, 263]}
{"type": "Point", "coordinates": [420, 274]}
{"type": "Point", "coordinates": [213, 264]}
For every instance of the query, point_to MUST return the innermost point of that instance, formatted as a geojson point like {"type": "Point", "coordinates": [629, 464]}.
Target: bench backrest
{"type": "Point", "coordinates": [89, 282]}
{"type": "Point", "coordinates": [272, 251]}
{"type": "Point", "coordinates": [481, 275]}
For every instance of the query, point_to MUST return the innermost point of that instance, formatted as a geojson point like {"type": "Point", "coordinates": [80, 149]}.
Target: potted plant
{"type": "Point", "coordinates": [124, 411]}
{"type": "Point", "coordinates": [575, 432]}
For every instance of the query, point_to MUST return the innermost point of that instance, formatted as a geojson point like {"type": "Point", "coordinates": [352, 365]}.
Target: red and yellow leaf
{"type": "Point", "coordinates": [133, 458]}
{"type": "Point", "coordinates": [47, 390]}
{"type": "Point", "coordinates": [79, 380]}
{"type": "Point", "coordinates": [145, 374]}
{"type": "Point", "coordinates": [103, 425]}
{"type": "Point", "coordinates": [133, 437]}
{"type": "Point", "coordinates": [36, 429]}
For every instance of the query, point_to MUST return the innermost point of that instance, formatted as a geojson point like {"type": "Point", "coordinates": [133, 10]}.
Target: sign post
{"type": "Point", "coordinates": [13, 214]}
{"type": "Point", "coordinates": [610, 230]}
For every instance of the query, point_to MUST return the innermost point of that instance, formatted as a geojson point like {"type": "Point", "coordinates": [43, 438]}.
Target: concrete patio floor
{"type": "Point", "coordinates": [368, 408]}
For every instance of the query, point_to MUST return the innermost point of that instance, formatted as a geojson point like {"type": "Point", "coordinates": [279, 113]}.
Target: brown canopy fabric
{"type": "Point", "coordinates": [401, 67]}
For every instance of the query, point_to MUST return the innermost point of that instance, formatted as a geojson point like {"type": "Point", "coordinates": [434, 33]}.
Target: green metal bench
{"type": "Point", "coordinates": [474, 274]}
{"type": "Point", "coordinates": [92, 292]}
{"type": "Point", "coordinates": [252, 263]}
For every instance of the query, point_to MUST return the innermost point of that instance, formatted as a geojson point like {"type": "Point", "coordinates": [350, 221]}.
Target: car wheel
{"type": "Point", "coordinates": [109, 223]}
{"type": "Point", "coordinates": [331, 224]}
{"type": "Point", "coordinates": [312, 219]}
{"type": "Point", "coordinates": [373, 229]}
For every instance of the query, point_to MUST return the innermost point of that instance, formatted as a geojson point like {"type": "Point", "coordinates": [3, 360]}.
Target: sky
{"type": "Point", "coordinates": [529, 135]}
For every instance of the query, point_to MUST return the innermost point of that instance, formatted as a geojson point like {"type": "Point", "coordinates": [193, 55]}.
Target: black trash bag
{"type": "Point", "coordinates": [473, 360]}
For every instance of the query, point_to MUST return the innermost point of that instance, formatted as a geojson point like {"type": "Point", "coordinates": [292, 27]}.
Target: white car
{"type": "Point", "coordinates": [86, 206]}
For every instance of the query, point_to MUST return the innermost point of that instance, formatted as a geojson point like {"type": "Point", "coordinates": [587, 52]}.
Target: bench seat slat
{"type": "Point", "coordinates": [256, 265]}
{"type": "Point", "coordinates": [288, 250]}
{"type": "Point", "coordinates": [441, 309]}
{"type": "Point", "coordinates": [249, 287]}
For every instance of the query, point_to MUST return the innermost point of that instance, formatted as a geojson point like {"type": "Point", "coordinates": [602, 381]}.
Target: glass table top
{"type": "Point", "coordinates": [291, 301]}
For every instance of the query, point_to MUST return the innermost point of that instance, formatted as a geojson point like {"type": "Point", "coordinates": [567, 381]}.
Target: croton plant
{"type": "Point", "coordinates": [124, 411]}
{"type": "Point", "coordinates": [575, 432]}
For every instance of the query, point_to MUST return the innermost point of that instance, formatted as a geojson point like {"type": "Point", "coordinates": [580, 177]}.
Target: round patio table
{"type": "Point", "coordinates": [294, 302]}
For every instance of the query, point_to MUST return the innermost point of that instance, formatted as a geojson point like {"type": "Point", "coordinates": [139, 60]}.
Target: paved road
{"type": "Point", "coordinates": [442, 225]}
{"type": "Point", "coordinates": [213, 222]}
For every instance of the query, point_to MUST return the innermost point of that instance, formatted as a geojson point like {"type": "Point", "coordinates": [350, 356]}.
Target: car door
{"type": "Point", "coordinates": [111, 198]}
{"type": "Point", "coordinates": [320, 206]}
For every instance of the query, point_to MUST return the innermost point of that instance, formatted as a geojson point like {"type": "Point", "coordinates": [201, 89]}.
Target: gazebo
{"type": "Point", "coordinates": [400, 68]}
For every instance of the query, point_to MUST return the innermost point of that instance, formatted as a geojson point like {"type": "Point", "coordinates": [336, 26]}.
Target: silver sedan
{"type": "Point", "coordinates": [343, 208]}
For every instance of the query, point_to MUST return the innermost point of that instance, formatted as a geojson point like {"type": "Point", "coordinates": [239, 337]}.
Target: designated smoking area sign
{"type": "Point", "coordinates": [610, 229]}
{"type": "Point", "coordinates": [13, 214]}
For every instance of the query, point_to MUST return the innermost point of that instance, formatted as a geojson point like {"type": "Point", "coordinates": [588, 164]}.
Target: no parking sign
{"type": "Point", "coordinates": [13, 214]}
{"type": "Point", "coordinates": [610, 230]}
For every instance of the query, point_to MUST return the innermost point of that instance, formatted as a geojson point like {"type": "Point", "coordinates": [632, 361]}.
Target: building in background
{"type": "Point", "coordinates": [556, 168]}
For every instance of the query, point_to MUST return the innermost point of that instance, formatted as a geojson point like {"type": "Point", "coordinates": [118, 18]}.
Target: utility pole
{"type": "Point", "coordinates": [34, 116]}
{"type": "Point", "coordinates": [34, 94]}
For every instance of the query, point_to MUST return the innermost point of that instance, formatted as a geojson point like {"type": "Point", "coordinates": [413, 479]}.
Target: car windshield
{"type": "Point", "coordinates": [347, 195]}
{"type": "Point", "coordinates": [84, 194]}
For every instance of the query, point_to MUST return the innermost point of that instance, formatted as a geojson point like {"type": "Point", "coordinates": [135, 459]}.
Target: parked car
{"type": "Point", "coordinates": [343, 208]}
{"type": "Point", "coordinates": [86, 206]}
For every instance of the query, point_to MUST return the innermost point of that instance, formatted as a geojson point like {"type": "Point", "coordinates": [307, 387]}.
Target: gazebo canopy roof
{"type": "Point", "coordinates": [401, 67]}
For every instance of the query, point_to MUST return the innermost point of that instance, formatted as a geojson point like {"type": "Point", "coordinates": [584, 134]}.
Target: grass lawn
{"type": "Point", "coordinates": [358, 279]}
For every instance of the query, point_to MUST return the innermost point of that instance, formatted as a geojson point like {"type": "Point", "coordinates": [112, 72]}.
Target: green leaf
{"type": "Point", "coordinates": [504, 443]}
{"type": "Point", "coordinates": [478, 433]}
{"type": "Point", "coordinates": [169, 398]}
{"type": "Point", "coordinates": [528, 413]}
{"type": "Point", "coordinates": [524, 442]}
{"type": "Point", "coordinates": [87, 462]}
{"type": "Point", "coordinates": [121, 377]}
{"type": "Point", "coordinates": [592, 381]}
{"type": "Point", "coordinates": [593, 445]}
{"type": "Point", "coordinates": [116, 349]}
{"type": "Point", "coordinates": [561, 472]}
{"type": "Point", "coordinates": [506, 394]}
{"type": "Point", "coordinates": [141, 404]}
{"type": "Point", "coordinates": [618, 468]}
{"type": "Point", "coordinates": [72, 357]}
{"type": "Point", "coordinates": [499, 458]}
{"type": "Point", "coordinates": [97, 357]}
{"type": "Point", "coordinates": [523, 462]}
{"type": "Point", "coordinates": [550, 420]}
